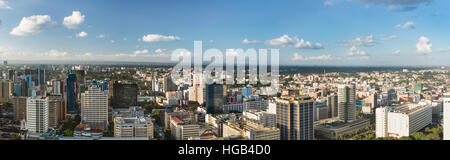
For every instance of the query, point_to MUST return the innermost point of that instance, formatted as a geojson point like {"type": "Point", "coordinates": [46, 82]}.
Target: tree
{"type": "Point", "coordinates": [16, 138]}
{"type": "Point", "coordinates": [405, 138]}
{"type": "Point", "coordinates": [68, 132]}
{"type": "Point", "coordinates": [418, 136]}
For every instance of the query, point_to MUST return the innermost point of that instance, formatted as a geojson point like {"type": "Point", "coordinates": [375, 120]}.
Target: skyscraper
{"type": "Point", "coordinates": [295, 118]}
{"type": "Point", "coordinates": [168, 84]}
{"type": "Point", "coordinates": [446, 116]}
{"type": "Point", "coordinates": [332, 103]}
{"type": "Point", "coordinates": [4, 91]}
{"type": "Point", "coordinates": [214, 98]}
{"type": "Point", "coordinates": [19, 107]}
{"type": "Point", "coordinates": [71, 96]}
{"type": "Point", "coordinates": [346, 102]}
{"type": "Point", "coordinates": [37, 114]}
{"type": "Point", "coordinates": [124, 95]}
{"type": "Point", "coordinates": [94, 107]}
{"type": "Point", "coordinates": [56, 111]}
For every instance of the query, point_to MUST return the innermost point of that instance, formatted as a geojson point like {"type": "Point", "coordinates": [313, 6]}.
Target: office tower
{"type": "Point", "coordinates": [72, 92]}
{"type": "Point", "coordinates": [19, 107]}
{"type": "Point", "coordinates": [37, 114]}
{"type": "Point", "coordinates": [446, 116]}
{"type": "Point", "coordinates": [4, 91]}
{"type": "Point", "coordinates": [94, 107]}
{"type": "Point", "coordinates": [346, 102]}
{"type": "Point", "coordinates": [12, 75]}
{"type": "Point", "coordinates": [124, 95]}
{"type": "Point", "coordinates": [17, 89]}
{"type": "Point", "coordinates": [37, 76]}
{"type": "Point", "coordinates": [133, 127]}
{"type": "Point", "coordinates": [295, 118]}
{"type": "Point", "coordinates": [247, 91]}
{"type": "Point", "coordinates": [373, 100]}
{"type": "Point", "coordinates": [5, 63]}
{"type": "Point", "coordinates": [402, 120]}
{"type": "Point", "coordinates": [214, 98]}
{"type": "Point", "coordinates": [56, 110]}
{"type": "Point", "coordinates": [392, 96]}
{"type": "Point", "coordinates": [332, 103]}
{"type": "Point", "coordinates": [168, 84]}
{"type": "Point", "coordinates": [57, 87]}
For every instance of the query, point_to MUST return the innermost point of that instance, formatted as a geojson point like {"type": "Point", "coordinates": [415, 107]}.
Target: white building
{"type": "Point", "coordinates": [94, 107]}
{"type": "Point", "coordinates": [37, 114]}
{"type": "Point", "coordinates": [446, 116]}
{"type": "Point", "coordinates": [267, 119]}
{"type": "Point", "coordinates": [402, 120]}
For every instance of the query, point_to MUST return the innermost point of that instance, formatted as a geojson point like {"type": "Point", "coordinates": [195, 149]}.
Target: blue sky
{"type": "Point", "coordinates": [314, 32]}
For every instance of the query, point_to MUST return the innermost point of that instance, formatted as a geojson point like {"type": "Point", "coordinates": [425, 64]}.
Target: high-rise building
{"type": "Point", "coordinates": [347, 102]}
{"type": "Point", "coordinates": [295, 118]}
{"type": "Point", "coordinates": [247, 91]}
{"type": "Point", "coordinates": [19, 107]}
{"type": "Point", "coordinates": [332, 103]}
{"type": "Point", "coordinates": [57, 87]}
{"type": "Point", "coordinates": [56, 111]}
{"type": "Point", "coordinates": [214, 98]}
{"type": "Point", "coordinates": [446, 116]}
{"type": "Point", "coordinates": [4, 91]}
{"type": "Point", "coordinates": [168, 85]}
{"type": "Point", "coordinates": [37, 114]}
{"type": "Point", "coordinates": [124, 95]}
{"type": "Point", "coordinates": [402, 120]}
{"type": "Point", "coordinates": [71, 95]}
{"type": "Point", "coordinates": [94, 107]}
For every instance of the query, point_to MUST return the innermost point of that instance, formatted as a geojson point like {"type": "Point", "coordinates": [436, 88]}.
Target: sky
{"type": "Point", "coordinates": [313, 32]}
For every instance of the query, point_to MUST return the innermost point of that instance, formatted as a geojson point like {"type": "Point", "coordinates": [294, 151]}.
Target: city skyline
{"type": "Point", "coordinates": [325, 32]}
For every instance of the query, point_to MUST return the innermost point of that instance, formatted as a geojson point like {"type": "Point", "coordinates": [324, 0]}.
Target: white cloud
{"type": "Point", "coordinates": [398, 5]}
{"type": "Point", "coordinates": [140, 52]}
{"type": "Point", "coordinates": [246, 41]}
{"type": "Point", "coordinates": [4, 4]}
{"type": "Point", "coordinates": [73, 21]}
{"type": "Point", "coordinates": [298, 57]}
{"type": "Point", "coordinates": [55, 53]}
{"type": "Point", "coordinates": [294, 42]}
{"type": "Point", "coordinates": [329, 2]}
{"type": "Point", "coordinates": [406, 25]}
{"type": "Point", "coordinates": [396, 52]}
{"type": "Point", "coordinates": [159, 38]}
{"type": "Point", "coordinates": [389, 38]}
{"type": "Point", "coordinates": [31, 25]}
{"type": "Point", "coordinates": [101, 36]}
{"type": "Point", "coordinates": [360, 41]}
{"type": "Point", "coordinates": [81, 34]}
{"type": "Point", "coordinates": [424, 45]}
{"type": "Point", "coordinates": [356, 52]}
{"type": "Point", "coordinates": [444, 50]}
{"type": "Point", "coordinates": [112, 41]}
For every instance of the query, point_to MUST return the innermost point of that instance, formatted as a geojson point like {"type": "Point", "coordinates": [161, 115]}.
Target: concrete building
{"type": "Point", "coordinates": [402, 120]}
{"type": "Point", "coordinates": [251, 130]}
{"type": "Point", "coordinates": [123, 95]}
{"type": "Point", "coordinates": [332, 131]}
{"type": "Point", "coordinates": [332, 103]}
{"type": "Point", "coordinates": [37, 114]}
{"type": "Point", "coordinates": [4, 91]}
{"type": "Point", "coordinates": [346, 102]}
{"type": "Point", "coordinates": [267, 119]}
{"type": "Point", "coordinates": [295, 118]}
{"type": "Point", "coordinates": [446, 116]}
{"type": "Point", "coordinates": [133, 127]}
{"type": "Point", "coordinates": [183, 129]}
{"type": "Point", "coordinates": [56, 111]}
{"type": "Point", "coordinates": [19, 107]}
{"type": "Point", "coordinates": [94, 107]}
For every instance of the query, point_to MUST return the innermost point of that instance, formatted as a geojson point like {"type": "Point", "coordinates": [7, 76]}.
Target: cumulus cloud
{"type": "Point", "coordinates": [159, 38]}
{"type": "Point", "coordinates": [246, 41]}
{"type": "Point", "coordinates": [31, 25]}
{"type": "Point", "coordinates": [4, 5]}
{"type": "Point", "coordinates": [360, 41]}
{"type": "Point", "coordinates": [398, 5]}
{"type": "Point", "coordinates": [406, 25]}
{"type": "Point", "coordinates": [389, 38]}
{"type": "Point", "coordinates": [424, 45]}
{"type": "Point", "coordinates": [139, 52]}
{"type": "Point", "coordinates": [329, 2]}
{"type": "Point", "coordinates": [100, 36]}
{"type": "Point", "coordinates": [56, 53]}
{"type": "Point", "coordinates": [112, 41]}
{"type": "Point", "coordinates": [295, 42]}
{"type": "Point", "coordinates": [396, 52]}
{"type": "Point", "coordinates": [73, 21]}
{"type": "Point", "coordinates": [356, 52]}
{"type": "Point", "coordinates": [81, 34]}
{"type": "Point", "coordinates": [298, 57]}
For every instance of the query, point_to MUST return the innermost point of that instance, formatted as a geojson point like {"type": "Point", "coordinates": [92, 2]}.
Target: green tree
{"type": "Point", "coordinates": [68, 132]}
{"type": "Point", "coordinates": [418, 136]}
{"type": "Point", "coordinates": [405, 138]}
